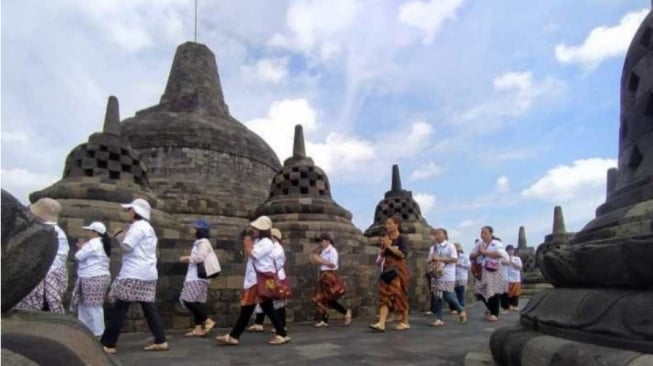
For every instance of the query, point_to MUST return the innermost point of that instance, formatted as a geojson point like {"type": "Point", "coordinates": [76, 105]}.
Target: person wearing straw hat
{"type": "Point", "coordinates": [193, 294]}
{"type": "Point", "coordinates": [137, 279]}
{"type": "Point", "coordinates": [259, 259]}
{"type": "Point", "coordinates": [48, 294]}
{"type": "Point", "coordinates": [93, 277]}
{"type": "Point", "coordinates": [279, 257]}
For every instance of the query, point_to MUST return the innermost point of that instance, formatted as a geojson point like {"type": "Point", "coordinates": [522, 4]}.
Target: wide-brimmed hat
{"type": "Point", "coordinates": [46, 209]}
{"type": "Point", "coordinates": [262, 223]}
{"type": "Point", "coordinates": [276, 233]}
{"type": "Point", "coordinates": [202, 224]}
{"type": "Point", "coordinates": [141, 207]}
{"type": "Point", "coordinates": [324, 236]}
{"type": "Point", "coordinates": [96, 226]}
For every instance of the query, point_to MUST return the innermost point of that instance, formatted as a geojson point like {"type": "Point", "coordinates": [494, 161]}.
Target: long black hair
{"type": "Point", "coordinates": [491, 230]}
{"type": "Point", "coordinates": [106, 243]}
{"type": "Point", "coordinates": [202, 233]}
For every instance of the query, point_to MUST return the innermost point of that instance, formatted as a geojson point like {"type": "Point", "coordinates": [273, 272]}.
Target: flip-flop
{"type": "Point", "coordinates": [402, 326]}
{"type": "Point", "coordinates": [438, 323]}
{"type": "Point", "coordinates": [279, 340]}
{"type": "Point", "coordinates": [463, 317]}
{"type": "Point", "coordinates": [208, 325]}
{"type": "Point", "coordinates": [377, 327]}
{"type": "Point", "coordinates": [194, 333]}
{"type": "Point", "coordinates": [348, 318]}
{"type": "Point", "coordinates": [227, 340]}
{"type": "Point", "coordinates": [157, 347]}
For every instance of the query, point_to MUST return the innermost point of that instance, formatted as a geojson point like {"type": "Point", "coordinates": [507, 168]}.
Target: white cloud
{"type": "Point", "coordinates": [503, 184]}
{"type": "Point", "coordinates": [603, 42]}
{"type": "Point", "coordinates": [467, 224]}
{"type": "Point", "coordinates": [272, 70]}
{"type": "Point", "coordinates": [583, 178]}
{"type": "Point", "coordinates": [426, 202]}
{"type": "Point", "coordinates": [514, 94]}
{"type": "Point", "coordinates": [426, 171]}
{"type": "Point", "coordinates": [315, 27]}
{"type": "Point", "coordinates": [428, 16]}
{"type": "Point", "coordinates": [21, 182]}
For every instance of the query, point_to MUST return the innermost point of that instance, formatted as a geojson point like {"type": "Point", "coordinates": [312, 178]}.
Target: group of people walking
{"type": "Point", "coordinates": [265, 287]}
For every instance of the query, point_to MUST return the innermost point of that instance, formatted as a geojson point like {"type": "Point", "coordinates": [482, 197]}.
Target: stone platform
{"type": "Point", "coordinates": [452, 344]}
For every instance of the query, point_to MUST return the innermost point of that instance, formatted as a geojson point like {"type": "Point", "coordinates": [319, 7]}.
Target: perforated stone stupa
{"type": "Point", "coordinates": [98, 176]}
{"type": "Point", "coordinates": [599, 312]}
{"type": "Point", "coordinates": [202, 161]}
{"type": "Point", "coordinates": [399, 202]}
{"type": "Point", "coordinates": [301, 206]}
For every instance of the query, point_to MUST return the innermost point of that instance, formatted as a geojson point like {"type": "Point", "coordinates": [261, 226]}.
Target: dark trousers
{"type": "Point", "coordinates": [198, 309]}
{"type": "Point", "coordinates": [505, 301]}
{"type": "Point", "coordinates": [281, 312]}
{"type": "Point", "coordinates": [439, 303]}
{"type": "Point", "coordinates": [513, 301]}
{"type": "Point", "coordinates": [492, 304]}
{"type": "Point", "coordinates": [333, 304]}
{"type": "Point", "coordinates": [246, 313]}
{"type": "Point", "coordinates": [460, 295]}
{"type": "Point", "coordinates": [112, 331]}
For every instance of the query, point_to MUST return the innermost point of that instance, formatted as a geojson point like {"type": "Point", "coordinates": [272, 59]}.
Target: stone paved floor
{"type": "Point", "coordinates": [333, 346]}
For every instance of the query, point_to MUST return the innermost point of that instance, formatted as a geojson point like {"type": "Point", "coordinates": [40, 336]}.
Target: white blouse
{"type": "Point", "coordinates": [260, 260]}
{"type": "Point", "coordinates": [514, 270]}
{"type": "Point", "coordinates": [462, 267]}
{"type": "Point", "coordinates": [279, 257]}
{"type": "Point", "coordinates": [329, 254]}
{"type": "Point", "coordinates": [199, 252]}
{"type": "Point", "coordinates": [140, 261]}
{"type": "Point", "coordinates": [92, 259]}
{"type": "Point", "coordinates": [62, 249]}
{"type": "Point", "coordinates": [445, 250]}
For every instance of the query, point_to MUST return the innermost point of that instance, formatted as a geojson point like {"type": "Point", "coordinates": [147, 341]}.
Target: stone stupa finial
{"type": "Point", "coordinates": [521, 239]}
{"type": "Point", "coordinates": [298, 149]}
{"type": "Point", "coordinates": [112, 117]}
{"type": "Point", "coordinates": [396, 179]}
{"type": "Point", "coordinates": [558, 222]}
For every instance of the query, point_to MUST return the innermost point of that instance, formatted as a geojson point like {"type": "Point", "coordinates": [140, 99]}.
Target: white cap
{"type": "Point", "coordinates": [276, 233]}
{"type": "Point", "coordinates": [141, 207]}
{"type": "Point", "coordinates": [96, 226]}
{"type": "Point", "coordinates": [262, 223]}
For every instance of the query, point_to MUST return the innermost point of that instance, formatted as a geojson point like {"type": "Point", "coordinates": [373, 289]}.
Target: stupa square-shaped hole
{"type": "Point", "coordinates": [102, 164]}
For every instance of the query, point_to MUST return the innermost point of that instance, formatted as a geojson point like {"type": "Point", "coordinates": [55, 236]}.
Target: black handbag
{"type": "Point", "coordinates": [389, 274]}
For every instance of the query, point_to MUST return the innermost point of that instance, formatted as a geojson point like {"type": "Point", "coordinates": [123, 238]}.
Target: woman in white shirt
{"type": "Point", "coordinates": [259, 259]}
{"type": "Point", "coordinates": [489, 250]}
{"type": "Point", "coordinates": [462, 274]}
{"type": "Point", "coordinates": [279, 256]}
{"type": "Point", "coordinates": [48, 294]}
{"type": "Point", "coordinates": [93, 277]}
{"type": "Point", "coordinates": [193, 294]}
{"type": "Point", "coordinates": [443, 281]}
{"type": "Point", "coordinates": [513, 276]}
{"type": "Point", "coordinates": [330, 286]}
{"type": "Point", "coordinates": [137, 279]}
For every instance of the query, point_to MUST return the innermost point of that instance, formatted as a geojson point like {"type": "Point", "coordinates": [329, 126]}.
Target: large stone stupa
{"type": "Point", "coordinates": [599, 312]}
{"type": "Point", "coordinates": [301, 206]}
{"type": "Point", "coordinates": [399, 202]}
{"type": "Point", "coordinates": [202, 161]}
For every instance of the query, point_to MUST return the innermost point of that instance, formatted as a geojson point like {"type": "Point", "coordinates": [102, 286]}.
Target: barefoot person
{"type": "Point", "coordinates": [393, 294]}
{"type": "Point", "coordinates": [137, 279]}
{"type": "Point", "coordinates": [48, 294]}
{"type": "Point", "coordinates": [259, 259]}
{"type": "Point", "coordinates": [330, 286]}
{"type": "Point", "coordinates": [193, 294]}
{"type": "Point", "coordinates": [443, 282]}
{"type": "Point", "coordinates": [93, 277]}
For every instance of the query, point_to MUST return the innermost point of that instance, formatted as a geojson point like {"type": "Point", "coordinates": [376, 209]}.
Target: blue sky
{"type": "Point", "coordinates": [495, 111]}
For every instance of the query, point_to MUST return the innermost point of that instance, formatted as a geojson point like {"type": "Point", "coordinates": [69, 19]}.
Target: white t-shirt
{"type": "Point", "coordinates": [329, 254]}
{"type": "Point", "coordinates": [514, 274]}
{"type": "Point", "coordinates": [260, 260]}
{"type": "Point", "coordinates": [494, 246]}
{"type": "Point", "coordinates": [197, 255]}
{"type": "Point", "coordinates": [140, 262]}
{"type": "Point", "coordinates": [445, 250]}
{"type": "Point", "coordinates": [462, 267]}
{"type": "Point", "coordinates": [279, 257]}
{"type": "Point", "coordinates": [62, 249]}
{"type": "Point", "coordinates": [92, 259]}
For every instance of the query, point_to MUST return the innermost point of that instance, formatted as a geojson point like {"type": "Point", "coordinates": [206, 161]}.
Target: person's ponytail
{"type": "Point", "coordinates": [106, 243]}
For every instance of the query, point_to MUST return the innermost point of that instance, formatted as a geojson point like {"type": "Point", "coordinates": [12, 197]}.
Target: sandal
{"type": "Point", "coordinates": [278, 340]}
{"type": "Point", "coordinates": [438, 323]}
{"type": "Point", "coordinates": [157, 347]}
{"type": "Point", "coordinates": [321, 324]}
{"type": "Point", "coordinates": [195, 333]}
{"type": "Point", "coordinates": [463, 317]}
{"type": "Point", "coordinates": [227, 340]}
{"type": "Point", "coordinates": [402, 326]}
{"type": "Point", "coordinates": [348, 318]}
{"type": "Point", "coordinates": [377, 327]}
{"type": "Point", "coordinates": [256, 328]}
{"type": "Point", "coordinates": [208, 325]}
{"type": "Point", "coordinates": [454, 312]}
{"type": "Point", "coordinates": [492, 318]}
{"type": "Point", "coordinates": [109, 350]}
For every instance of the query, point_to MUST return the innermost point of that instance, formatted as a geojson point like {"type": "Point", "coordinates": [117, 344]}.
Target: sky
{"type": "Point", "coordinates": [494, 111]}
